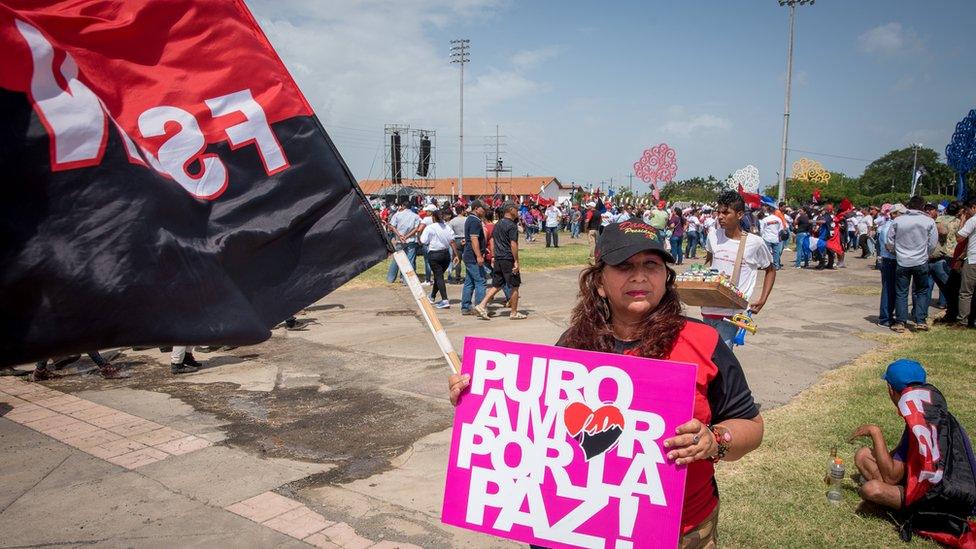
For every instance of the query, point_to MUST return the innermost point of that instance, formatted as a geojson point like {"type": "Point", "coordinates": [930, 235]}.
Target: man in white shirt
{"type": "Point", "coordinates": [769, 227]}
{"type": "Point", "coordinates": [968, 273]}
{"type": "Point", "coordinates": [692, 237]}
{"type": "Point", "coordinates": [552, 226]}
{"type": "Point", "coordinates": [865, 227]}
{"type": "Point", "coordinates": [722, 247]}
{"type": "Point", "coordinates": [406, 226]}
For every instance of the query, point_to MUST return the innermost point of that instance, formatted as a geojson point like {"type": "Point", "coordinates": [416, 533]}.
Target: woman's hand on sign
{"type": "Point", "coordinates": [457, 383]}
{"type": "Point", "coordinates": [693, 442]}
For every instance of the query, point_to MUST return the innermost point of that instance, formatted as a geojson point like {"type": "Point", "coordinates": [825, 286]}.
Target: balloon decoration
{"type": "Point", "coordinates": [961, 151]}
{"type": "Point", "coordinates": [747, 177]}
{"type": "Point", "coordinates": [659, 163]}
{"type": "Point", "coordinates": [805, 169]}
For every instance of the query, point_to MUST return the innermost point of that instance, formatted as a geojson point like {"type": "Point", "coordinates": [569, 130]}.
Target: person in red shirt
{"type": "Point", "coordinates": [629, 305]}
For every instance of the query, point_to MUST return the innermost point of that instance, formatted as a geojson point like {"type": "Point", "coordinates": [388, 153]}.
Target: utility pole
{"type": "Point", "coordinates": [459, 55]}
{"type": "Point", "coordinates": [789, 78]}
{"type": "Point", "coordinates": [630, 185]}
{"type": "Point", "coordinates": [915, 147]}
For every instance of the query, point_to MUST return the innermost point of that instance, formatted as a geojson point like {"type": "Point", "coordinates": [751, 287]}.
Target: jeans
{"type": "Point", "coordinates": [939, 271]}
{"type": "Point", "coordinates": [474, 283]}
{"type": "Point", "coordinates": [574, 229]}
{"type": "Point", "coordinates": [726, 330]}
{"type": "Point", "coordinates": [411, 249]}
{"type": "Point", "coordinates": [802, 249]}
{"type": "Point", "coordinates": [440, 261]}
{"type": "Point", "coordinates": [676, 249]}
{"type": "Point", "coordinates": [887, 311]}
{"type": "Point", "coordinates": [552, 237]}
{"type": "Point", "coordinates": [918, 278]}
{"type": "Point", "coordinates": [427, 271]}
{"type": "Point", "coordinates": [691, 247]}
{"type": "Point", "coordinates": [776, 248]}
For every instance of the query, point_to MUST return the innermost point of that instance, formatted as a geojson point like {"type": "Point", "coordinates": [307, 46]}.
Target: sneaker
{"type": "Point", "coordinates": [425, 283]}
{"type": "Point", "coordinates": [114, 372]}
{"type": "Point", "coordinates": [517, 316]}
{"type": "Point", "coordinates": [182, 369]}
{"type": "Point", "coordinates": [297, 325]}
{"type": "Point", "coordinates": [207, 348]}
{"type": "Point", "coordinates": [188, 360]}
{"type": "Point", "coordinates": [167, 349]}
{"type": "Point", "coordinates": [431, 300]}
{"type": "Point", "coordinates": [482, 312]}
{"type": "Point", "coordinates": [442, 304]}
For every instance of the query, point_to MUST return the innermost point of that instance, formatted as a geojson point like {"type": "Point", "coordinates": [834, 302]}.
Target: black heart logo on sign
{"type": "Point", "coordinates": [596, 431]}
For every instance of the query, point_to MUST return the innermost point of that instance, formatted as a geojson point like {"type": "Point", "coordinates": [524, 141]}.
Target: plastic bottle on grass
{"type": "Point", "coordinates": [834, 494]}
{"type": "Point", "coordinates": [830, 463]}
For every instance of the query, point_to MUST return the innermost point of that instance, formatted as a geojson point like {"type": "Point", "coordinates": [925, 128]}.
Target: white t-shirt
{"type": "Point", "coordinates": [552, 216]}
{"type": "Point", "coordinates": [852, 222]}
{"type": "Point", "coordinates": [693, 223]}
{"type": "Point", "coordinates": [967, 232]}
{"type": "Point", "coordinates": [770, 226]}
{"type": "Point", "coordinates": [709, 224]}
{"type": "Point", "coordinates": [864, 224]}
{"type": "Point", "coordinates": [437, 236]}
{"type": "Point", "coordinates": [756, 256]}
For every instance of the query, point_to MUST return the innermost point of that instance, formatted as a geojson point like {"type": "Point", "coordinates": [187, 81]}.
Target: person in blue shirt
{"type": "Point", "coordinates": [473, 258]}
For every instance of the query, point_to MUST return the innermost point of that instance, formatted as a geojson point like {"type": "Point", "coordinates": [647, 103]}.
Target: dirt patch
{"type": "Point", "coordinates": [859, 290]}
{"type": "Point", "coordinates": [352, 423]}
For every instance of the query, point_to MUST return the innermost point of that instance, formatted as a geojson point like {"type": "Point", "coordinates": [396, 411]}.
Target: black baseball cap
{"type": "Point", "coordinates": [619, 241]}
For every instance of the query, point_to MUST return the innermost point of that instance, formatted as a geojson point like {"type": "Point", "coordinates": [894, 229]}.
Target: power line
{"type": "Point", "coordinates": [831, 155]}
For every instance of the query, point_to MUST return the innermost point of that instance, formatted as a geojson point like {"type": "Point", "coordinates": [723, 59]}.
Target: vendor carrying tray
{"type": "Point", "coordinates": [708, 294]}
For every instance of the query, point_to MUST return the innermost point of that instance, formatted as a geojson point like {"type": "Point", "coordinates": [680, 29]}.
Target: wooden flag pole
{"type": "Point", "coordinates": [440, 336]}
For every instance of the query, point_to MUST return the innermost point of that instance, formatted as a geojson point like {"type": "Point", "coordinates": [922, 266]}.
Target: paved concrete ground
{"type": "Point", "coordinates": [336, 435]}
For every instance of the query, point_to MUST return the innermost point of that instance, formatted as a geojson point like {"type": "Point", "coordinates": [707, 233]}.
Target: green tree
{"type": "Point", "coordinates": [893, 173]}
{"type": "Point", "coordinates": [696, 189]}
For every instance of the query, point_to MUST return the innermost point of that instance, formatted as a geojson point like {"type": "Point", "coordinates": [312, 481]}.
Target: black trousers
{"type": "Point", "coordinates": [440, 261]}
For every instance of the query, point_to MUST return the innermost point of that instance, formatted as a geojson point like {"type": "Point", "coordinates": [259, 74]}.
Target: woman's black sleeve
{"type": "Point", "coordinates": [728, 394]}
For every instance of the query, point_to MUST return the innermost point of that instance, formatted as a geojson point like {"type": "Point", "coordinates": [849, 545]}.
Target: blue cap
{"type": "Point", "coordinates": [903, 372]}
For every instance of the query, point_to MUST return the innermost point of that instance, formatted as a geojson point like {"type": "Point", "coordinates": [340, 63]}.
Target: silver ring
{"type": "Point", "coordinates": [695, 439]}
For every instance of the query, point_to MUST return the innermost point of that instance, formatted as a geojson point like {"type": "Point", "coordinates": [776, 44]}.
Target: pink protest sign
{"type": "Point", "coordinates": [564, 448]}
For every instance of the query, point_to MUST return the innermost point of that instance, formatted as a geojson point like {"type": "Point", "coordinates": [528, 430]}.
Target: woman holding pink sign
{"type": "Point", "coordinates": [628, 305]}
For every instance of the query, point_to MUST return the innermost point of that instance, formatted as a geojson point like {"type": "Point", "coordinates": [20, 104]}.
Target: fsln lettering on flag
{"type": "Point", "coordinates": [165, 181]}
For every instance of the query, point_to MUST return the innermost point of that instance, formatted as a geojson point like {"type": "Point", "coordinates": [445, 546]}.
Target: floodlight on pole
{"type": "Point", "coordinates": [915, 148]}
{"type": "Point", "coordinates": [459, 55]}
{"type": "Point", "coordinates": [789, 77]}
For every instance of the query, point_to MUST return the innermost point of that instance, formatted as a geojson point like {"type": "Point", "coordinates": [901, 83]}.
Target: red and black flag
{"type": "Point", "coordinates": [164, 180]}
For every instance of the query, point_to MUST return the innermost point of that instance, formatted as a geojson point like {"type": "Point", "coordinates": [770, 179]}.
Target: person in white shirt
{"type": "Point", "coordinates": [438, 239]}
{"type": "Point", "coordinates": [968, 272]}
{"type": "Point", "coordinates": [692, 237]}
{"type": "Point", "coordinates": [865, 228]}
{"type": "Point", "coordinates": [552, 226]}
{"type": "Point", "coordinates": [769, 227]}
{"type": "Point", "coordinates": [722, 246]}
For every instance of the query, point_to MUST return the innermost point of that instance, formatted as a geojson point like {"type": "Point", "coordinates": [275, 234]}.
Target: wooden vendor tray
{"type": "Point", "coordinates": [708, 294]}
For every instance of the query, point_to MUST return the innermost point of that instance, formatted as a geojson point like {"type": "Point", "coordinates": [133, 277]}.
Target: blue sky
{"type": "Point", "coordinates": [579, 89]}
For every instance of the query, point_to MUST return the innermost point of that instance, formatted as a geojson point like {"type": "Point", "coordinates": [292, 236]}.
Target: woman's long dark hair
{"type": "Point", "coordinates": [590, 325]}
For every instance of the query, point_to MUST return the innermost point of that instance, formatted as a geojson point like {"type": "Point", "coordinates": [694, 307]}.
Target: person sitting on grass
{"type": "Point", "coordinates": [930, 477]}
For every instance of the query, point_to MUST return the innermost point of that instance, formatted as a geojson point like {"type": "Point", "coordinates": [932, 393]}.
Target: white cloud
{"type": "Point", "coordinates": [365, 64]}
{"type": "Point", "coordinates": [526, 59]}
{"type": "Point", "coordinates": [889, 39]}
{"type": "Point", "coordinates": [685, 126]}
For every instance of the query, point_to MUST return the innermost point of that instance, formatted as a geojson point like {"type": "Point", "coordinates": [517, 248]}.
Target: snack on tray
{"type": "Point", "coordinates": [700, 273]}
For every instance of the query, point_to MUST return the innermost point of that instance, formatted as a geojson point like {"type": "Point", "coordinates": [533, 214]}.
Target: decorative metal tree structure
{"type": "Point", "coordinates": [805, 169]}
{"type": "Point", "coordinates": [748, 177]}
{"type": "Point", "coordinates": [659, 163]}
{"type": "Point", "coordinates": [961, 152]}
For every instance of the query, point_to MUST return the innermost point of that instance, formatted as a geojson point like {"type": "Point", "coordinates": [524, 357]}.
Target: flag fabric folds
{"type": "Point", "coordinates": [165, 181]}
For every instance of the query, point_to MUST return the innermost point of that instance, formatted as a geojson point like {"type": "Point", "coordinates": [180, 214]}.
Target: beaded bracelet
{"type": "Point", "coordinates": [723, 439]}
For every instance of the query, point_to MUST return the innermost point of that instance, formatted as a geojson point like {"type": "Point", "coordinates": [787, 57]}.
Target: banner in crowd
{"type": "Point", "coordinates": [167, 182]}
{"type": "Point", "coordinates": [564, 448]}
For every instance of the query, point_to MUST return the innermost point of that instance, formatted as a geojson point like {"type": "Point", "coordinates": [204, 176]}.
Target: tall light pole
{"type": "Point", "coordinates": [789, 78]}
{"type": "Point", "coordinates": [459, 55]}
{"type": "Point", "coordinates": [915, 148]}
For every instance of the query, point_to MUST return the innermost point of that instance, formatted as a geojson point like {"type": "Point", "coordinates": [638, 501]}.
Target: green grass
{"type": "Point", "coordinates": [775, 496]}
{"type": "Point", "coordinates": [533, 257]}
